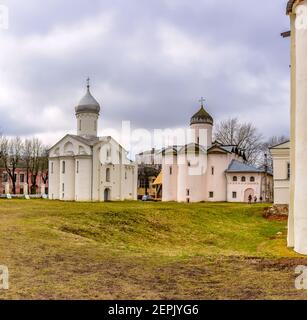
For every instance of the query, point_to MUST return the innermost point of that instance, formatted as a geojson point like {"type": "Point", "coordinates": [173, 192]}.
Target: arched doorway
{"type": "Point", "coordinates": [247, 193]}
{"type": "Point", "coordinates": [107, 194]}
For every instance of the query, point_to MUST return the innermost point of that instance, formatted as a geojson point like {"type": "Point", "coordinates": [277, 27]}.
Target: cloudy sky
{"type": "Point", "coordinates": [149, 62]}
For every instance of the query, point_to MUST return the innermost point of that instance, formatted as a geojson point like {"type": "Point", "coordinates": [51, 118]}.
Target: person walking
{"type": "Point", "coordinates": [250, 199]}
{"type": "Point", "coordinates": [255, 199]}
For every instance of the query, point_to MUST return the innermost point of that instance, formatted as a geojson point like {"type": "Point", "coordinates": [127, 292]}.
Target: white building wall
{"type": "Point", "coordinates": [241, 187]}
{"type": "Point", "coordinates": [281, 192]}
{"type": "Point", "coordinates": [169, 180]}
{"type": "Point", "coordinates": [67, 179]}
{"type": "Point", "coordinates": [54, 178]}
{"type": "Point", "coordinates": [217, 182]}
{"type": "Point", "coordinates": [191, 179]}
{"type": "Point", "coordinates": [87, 124]}
{"type": "Point", "coordinates": [300, 168]}
{"type": "Point", "coordinates": [203, 134]}
{"type": "Point", "coordinates": [281, 161]}
{"type": "Point", "coordinates": [83, 176]}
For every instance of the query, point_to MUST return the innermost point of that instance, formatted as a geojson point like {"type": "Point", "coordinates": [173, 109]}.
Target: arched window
{"type": "Point", "coordinates": [235, 178]}
{"type": "Point", "coordinates": [63, 166]}
{"type": "Point", "coordinates": [243, 179]}
{"type": "Point", "coordinates": [252, 179]}
{"type": "Point", "coordinates": [108, 174]}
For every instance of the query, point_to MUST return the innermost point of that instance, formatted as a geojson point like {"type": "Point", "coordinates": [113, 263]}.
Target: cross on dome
{"type": "Point", "coordinates": [202, 100]}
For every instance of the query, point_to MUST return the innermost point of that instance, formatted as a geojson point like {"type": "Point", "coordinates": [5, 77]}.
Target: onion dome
{"type": "Point", "coordinates": [88, 104]}
{"type": "Point", "coordinates": [202, 116]}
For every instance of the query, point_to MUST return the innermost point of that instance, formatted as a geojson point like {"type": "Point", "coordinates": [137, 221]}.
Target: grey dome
{"type": "Point", "coordinates": [88, 104]}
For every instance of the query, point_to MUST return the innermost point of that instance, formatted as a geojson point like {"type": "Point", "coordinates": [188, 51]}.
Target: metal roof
{"type": "Point", "coordinates": [88, 104]}
{"type": "Point", "coordinates": [237, 166]}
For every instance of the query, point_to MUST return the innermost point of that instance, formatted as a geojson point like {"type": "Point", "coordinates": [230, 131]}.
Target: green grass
{"type": "Point", "coordinates": [129, 250]}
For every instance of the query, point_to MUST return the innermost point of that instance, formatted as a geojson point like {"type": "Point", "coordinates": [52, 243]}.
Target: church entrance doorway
{"type": "Point", "coordinates": [107, 194]}
{"type": "Point", "coordinates": [247, 193]}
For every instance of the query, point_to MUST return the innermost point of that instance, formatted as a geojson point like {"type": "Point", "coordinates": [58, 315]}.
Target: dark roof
{"type": "Point", "coordinates": [229, 149]}
{"type": "Point", "coordinates": [237, 167]}
{"type": "Point", "coordinates": [202, 116]}
{"type": "Point", "coordinates": [290, 5]}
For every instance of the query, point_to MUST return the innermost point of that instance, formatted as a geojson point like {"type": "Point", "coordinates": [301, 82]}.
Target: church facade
{"type": "Point", "coordinates": [85, 167]}
{"type": "Point", "coordinates": [209, 171]}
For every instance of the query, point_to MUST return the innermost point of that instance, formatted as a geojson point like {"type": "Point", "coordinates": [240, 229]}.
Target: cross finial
{"type": "Point", "coordinates": [202, 100]}
{"type": "Point", "coordinates": [88, 82]}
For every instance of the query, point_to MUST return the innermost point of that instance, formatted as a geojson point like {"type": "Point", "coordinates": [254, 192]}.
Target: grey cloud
{"type": "Point", "coordinates": [149, 64]}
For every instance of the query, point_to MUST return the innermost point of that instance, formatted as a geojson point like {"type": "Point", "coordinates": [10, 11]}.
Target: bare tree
{"type": "Point", "coordinates": [35, 156]}
{"type": "Point", "coordinates": [27, 156]}
{"type": "Point", "coordinates": [44, 164]}
{"type": "Point", "coordinates": [11, 153]}
{"type": "Point", "coordinates": [243, 135]}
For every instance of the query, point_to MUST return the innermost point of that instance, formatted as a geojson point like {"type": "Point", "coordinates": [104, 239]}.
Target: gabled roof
{"type": "Point", "coordinates": [151, 152]}
{"type": "Point", "coordinates": [283, 145]}
{"type": "Point", "coordinates": [87, 141]}
{"type": "Point", "coordinates": [216, 146]}
{"type": "Point", "coordinates": [174, 149]}
{"type": "Point", "coordinates": [236, 167]}
{"type": "Point", "coordinates": [192, 146]}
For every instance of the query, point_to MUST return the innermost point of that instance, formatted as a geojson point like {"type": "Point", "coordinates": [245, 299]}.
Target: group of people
{"type": "Point", "coordinates": [250, 199]}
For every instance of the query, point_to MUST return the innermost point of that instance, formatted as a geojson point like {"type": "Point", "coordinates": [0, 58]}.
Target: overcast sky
{"type": "Point", "coordinates": [149, 62]}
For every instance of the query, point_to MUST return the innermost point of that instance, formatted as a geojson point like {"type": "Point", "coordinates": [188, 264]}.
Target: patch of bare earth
{"type": "Point", "coordinates": [222, 277]}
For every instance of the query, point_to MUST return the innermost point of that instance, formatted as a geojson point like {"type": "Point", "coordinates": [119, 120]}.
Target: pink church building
{"type": "Point", "coordinates": [209, 171]}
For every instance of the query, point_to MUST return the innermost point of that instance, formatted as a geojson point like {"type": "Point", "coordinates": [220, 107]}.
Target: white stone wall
{"type": "Point", "coordinates": [203, 134]}
{"type": "Point", "coordinates": [54, 178]}
{"type": "Point", "coordinates": [169, 181]}
{"type": "Point", "coordinates": [300, 196]}
{"type": "Point", "coordinates": [216, 182]}
{"type": "Point", "coordinates": [241, 188]}
{"type": "Point", "coordinates": [281, 159]}
{"type": "Point", "coordinates": [83, 178]}
{"type": "Point", "coordinates": [87, 124]}
{"type": "Point", "coordinates": [191, 178]}
{"type": "Point", "coordinates": [67, 179]}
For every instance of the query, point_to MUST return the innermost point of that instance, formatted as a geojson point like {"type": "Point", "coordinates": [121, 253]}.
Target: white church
{"type": "Point", "coordinates": [209, 171]}
{"type": "Point", "coordinates": [85, 167]}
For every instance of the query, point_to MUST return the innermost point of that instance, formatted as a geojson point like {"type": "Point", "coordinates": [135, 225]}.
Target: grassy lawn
{"type": "Point", "coordinates": [134, 250]}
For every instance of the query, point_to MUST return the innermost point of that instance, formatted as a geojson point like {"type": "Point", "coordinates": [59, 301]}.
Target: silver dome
{"type": "Point", "coordinates": [88, 104]}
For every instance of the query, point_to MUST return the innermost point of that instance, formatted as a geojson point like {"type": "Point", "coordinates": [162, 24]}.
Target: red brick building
{"type": "Point", "coordinates": [21, 180]}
